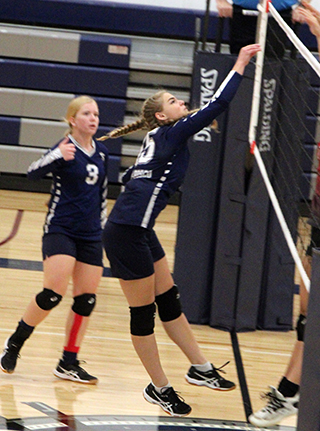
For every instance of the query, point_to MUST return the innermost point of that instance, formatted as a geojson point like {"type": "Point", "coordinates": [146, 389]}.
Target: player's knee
{"type": "Point", "coordinates": [301, 324]}
{"type": "Point", "coordinates": [142, 319]}
{"type": "Point", "coordinates": [84, 304]}
{"type": "Point", "coordinates": [169, 306]}
{"type": "Point", "coordinates": [48, 299]}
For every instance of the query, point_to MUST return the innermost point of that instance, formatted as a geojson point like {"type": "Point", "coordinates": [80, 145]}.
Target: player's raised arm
{"type": "Point", "coordinates": [245, 55]}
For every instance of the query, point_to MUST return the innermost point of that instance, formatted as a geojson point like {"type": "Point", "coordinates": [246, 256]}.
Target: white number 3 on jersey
{"type": "Point", "coordinates": [93, 174]}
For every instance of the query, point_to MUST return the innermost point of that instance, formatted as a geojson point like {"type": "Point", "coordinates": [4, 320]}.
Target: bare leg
{"type": "Point", "coordinates": [181, 334]}
{"type": "Point", "coordinates": [138, 293]}
{"type": "Point", "coordinates": [178, 330]}
{"type": "Point", "coordinates": [293, 372]}
{"type": "Point", "coordinates": [147, 350]}
{"type": "Point", "coordinates": [86, 279]}
{"type": "Point", "coordinates": [57, 272]}
{"type": "Point", "coordinates": [294, 369]}
{"type": "Point", "coordinates": [75, 336]}
{"type": "Point", "coordinates": [304, 295]}
{"type": "Point", "coordinates": [85, 282]}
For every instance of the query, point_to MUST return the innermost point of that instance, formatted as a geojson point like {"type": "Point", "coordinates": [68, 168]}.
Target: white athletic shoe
{"type": "Point", "coordinates": [278, 408]}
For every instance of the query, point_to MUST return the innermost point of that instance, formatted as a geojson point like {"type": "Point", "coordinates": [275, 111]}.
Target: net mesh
{"type": "Point", "coordinates": [293, 156]}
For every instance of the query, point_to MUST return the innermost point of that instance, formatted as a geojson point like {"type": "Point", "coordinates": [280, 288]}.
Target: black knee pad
{"type": "Point", "coordinates": [300, 327]}
{"type": "Point", "coordinates": [142, 319]}
{"type": "Point", "coordinates": [84, 304]}
{"type": "Point", "coordinates": [48, 299]}
{"type": "Point", "coordinates": [169, 306]}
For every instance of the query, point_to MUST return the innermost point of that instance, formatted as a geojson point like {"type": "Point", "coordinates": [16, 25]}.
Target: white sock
{"type": "Point", "coordinates": [161, 389]}
{"type": "Point", "coordinates": [203, 367]}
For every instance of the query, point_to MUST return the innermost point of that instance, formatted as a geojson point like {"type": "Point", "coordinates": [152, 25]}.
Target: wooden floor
{"type": "Point", "coordinates": [107, 347]}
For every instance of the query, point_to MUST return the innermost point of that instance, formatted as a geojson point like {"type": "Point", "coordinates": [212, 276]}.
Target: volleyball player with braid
{"type": "Point", "coordinates": [134, 251]}
{"type": "Point", "coordinates": [72, 243]}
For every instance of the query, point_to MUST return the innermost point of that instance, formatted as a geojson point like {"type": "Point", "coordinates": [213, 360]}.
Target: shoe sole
{"type": "Point", "coordinates": [2, 355]}
{"type": "Point", "coordinates": [203, 383]}
{"type": "Point", "coordinates": [152, 401]}
{"type": "Point", "coordinates": [6, 371]}
{"type": "Point", "coordinates": [72, 379]}
{"type": "Point", "coordinates": [260, 423]}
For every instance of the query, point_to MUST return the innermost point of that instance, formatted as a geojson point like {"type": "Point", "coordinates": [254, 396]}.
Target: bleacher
{"type": "Point", "coordinates": [40, 72]}
{"type": "Point", "coordinates": [51, 51]}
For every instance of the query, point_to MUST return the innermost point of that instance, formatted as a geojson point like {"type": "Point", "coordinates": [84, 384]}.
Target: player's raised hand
{"type": "Point", "coordinates": [311, 16]}
{"type": "Point", "coordinates": [245, 55]}
{"type": "Point", "coordinates": [225, 8]}
{"type": "Point", "coordinates": [67, 149]}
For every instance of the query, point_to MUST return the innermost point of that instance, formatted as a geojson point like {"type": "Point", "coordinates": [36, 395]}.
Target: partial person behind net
{"type": "Point", "coordinates": [283, 400]}
{"type": "Point", "coordinates": [243, 24]}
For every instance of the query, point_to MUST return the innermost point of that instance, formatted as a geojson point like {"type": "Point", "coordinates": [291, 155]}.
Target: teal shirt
{"type": "Point", "coordinates": [278, 4]}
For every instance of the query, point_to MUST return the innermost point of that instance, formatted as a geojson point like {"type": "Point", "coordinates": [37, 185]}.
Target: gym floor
{"type": "Point", "coordinates": [32, 398]}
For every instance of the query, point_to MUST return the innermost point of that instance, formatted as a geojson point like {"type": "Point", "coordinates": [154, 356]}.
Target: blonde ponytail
{"type": "Point", "coordinates": [147, 118]}
{"type": "Point", "coordinates": [124, 130]}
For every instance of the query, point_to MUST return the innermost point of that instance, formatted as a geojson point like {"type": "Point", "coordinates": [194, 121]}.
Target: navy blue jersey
{"type": "Point", "coordinates": [77, 205]}
{"type": "Point", "coordinates": [163, 159]}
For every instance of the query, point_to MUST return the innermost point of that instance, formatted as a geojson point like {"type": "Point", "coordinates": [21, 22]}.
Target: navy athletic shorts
{"type": "Point", "coordinates": [314, 241]}
{"type": "Point", "coordinates": [131, 250]}
{"type": "Point", "coordinates": [89, 252]}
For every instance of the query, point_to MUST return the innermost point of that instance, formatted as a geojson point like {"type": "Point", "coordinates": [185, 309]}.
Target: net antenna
{"type": "Point", "coordinates": [264, 7]}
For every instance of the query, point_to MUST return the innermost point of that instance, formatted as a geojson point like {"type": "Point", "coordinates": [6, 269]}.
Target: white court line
{"type": "Point", "coordinates": [127, 340]}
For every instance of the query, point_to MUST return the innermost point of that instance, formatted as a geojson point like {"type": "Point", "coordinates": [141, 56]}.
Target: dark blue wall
{"type": "Point", "coordinates": [118, 18]}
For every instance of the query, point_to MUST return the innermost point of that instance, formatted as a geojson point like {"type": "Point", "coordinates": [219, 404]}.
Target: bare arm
{"type": "Point", "coordinates": [245, 55]}
{"type": "Point", "coordinates": [312, 17]}
{"type": "Point", "coordinates": [225, 8]}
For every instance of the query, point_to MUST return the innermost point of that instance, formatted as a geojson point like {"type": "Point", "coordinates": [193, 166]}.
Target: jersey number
{"type": "Point", "coordinates": [93, 174]}
{"type": "Point", "coordinates": [147, 153]}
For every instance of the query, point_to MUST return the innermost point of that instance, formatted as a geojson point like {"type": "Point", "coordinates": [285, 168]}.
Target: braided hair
{"type": "Point", "coordinates": [147, 119]}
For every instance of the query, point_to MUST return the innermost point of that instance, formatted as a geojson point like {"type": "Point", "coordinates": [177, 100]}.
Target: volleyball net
{"type": "Point", "coordinates": [245, 251]}
{"type": "Point", "coordinates": [298, 154]}
{"type": "Point", "coordinates": [291, 180]}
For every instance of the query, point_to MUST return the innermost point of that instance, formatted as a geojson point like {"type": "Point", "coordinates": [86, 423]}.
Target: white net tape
{"type": "Point", "coordinates": [303, 53]}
